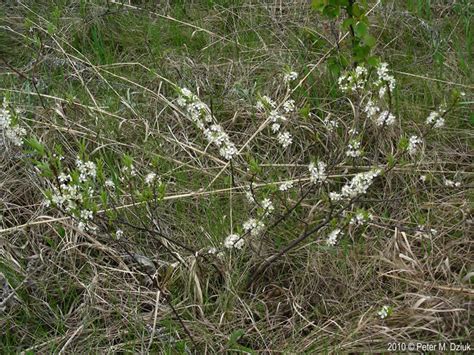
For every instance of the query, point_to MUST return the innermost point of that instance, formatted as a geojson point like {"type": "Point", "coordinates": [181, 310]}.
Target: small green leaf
{"type": "Point", "coordinates": [373, 61]}
{"type": "Point", "coordinates": [361, 29]}
{"type": "Point", "coordinates": [331, 11]}
{"type": "Point", "coordinates": [347, 23]}
{"type": "Point", "coordinates": [356, 10]}
{"type": "Point", "coordinates": [369, 40]}
{"type": "Point", "coordinates": [318, 4]}
{"type": "Point", "coordinates": [235, 336]}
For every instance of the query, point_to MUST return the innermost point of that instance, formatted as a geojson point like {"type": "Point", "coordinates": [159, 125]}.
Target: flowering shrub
{"type": "Point", "coordinates": [226, 184]}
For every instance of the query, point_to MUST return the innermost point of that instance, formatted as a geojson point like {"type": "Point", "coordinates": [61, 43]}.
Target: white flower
{"type": "Point", "coordinates": [370, 109]}
{"type": "Point", "coordinates": [385, 119]}
{"type": "Point", "coordinates": [289, 106]}
{"type": "Point", "coordinates": [435, 119]}
{"type": "Point", "coordinates": [86, 214]}
{"type": "Point", "coordinates": [285, 139]}
{"type": "Point", "coordinates": [268, 205]}
{"type": "Point", "coordinates": [290, 76]}
{"type": "Point", "coordinates": [250, 224]}
{"type": "Point", "coordinates": [451, 183]}
{"type": "Point", "coordinates": [353, 149]}
{"type": "Point", "coordinates": [317, 172]}
{"type": "Point", "coordinates": [413, 143]}
{"type": "Point", "coordinates": [186, 93]}
{"type": "Point", "coordinates": [384, 79]}
{"type": "Point", "coordinates": [361, 218]}
{"type": "Point", "coordinates": [181, 101]}
{"type": "Point", "coordinates": [357, 186]}
{"type": "Point", "coordinates": [86, 169]}
{"type": "Point", "coordinates": [12, 133]}
{"type": "Point", "coordinates": [234, 241]}
{"type": "Point", "coordinates": [249, 195]}
{"type": "Point", "coordinates": [275, 127]}
{"type": "Point", "coordinates": [260, 106]}
{"type": "Point", "coordinates": [275, 116]}
{"type": "Point", "coordinates": [129, 170]}
{"type": "Point", "coordinates": [353, 80]}
{"type": "Point", "coordinates": [330, 124]}
{"type": "Point", "coordinates": [119, 233]}
{"type": "Point", "coordinates": [253, 226]}
{"type": "Point", "coordinates": [109, 183]}
{"type": "Point", "coordinates": [423, 178]}
{"type": "Point", "coordinates": [63, 177]}
{"type": "Point", "coordinates": [265, 102]}
{"type": "Point", "coordinates": [228, 150]}
{"type": "Point", "coordinates": [286, 186]}
{"type": "Point", "coordinates": [332, 237]}
{"type": "Point", "coordinates": [383, 313]}
{"type": "Point", "coordinates": [150, 178]}
{"type": "Point", "coordinates": [202, 116]}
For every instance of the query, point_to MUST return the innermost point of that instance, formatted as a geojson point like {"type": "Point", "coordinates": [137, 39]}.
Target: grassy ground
{"type": "Point", "coordinates": [97, 79]}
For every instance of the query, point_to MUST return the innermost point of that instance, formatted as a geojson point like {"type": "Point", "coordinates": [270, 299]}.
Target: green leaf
{"type": "Point", "coordinates": [361, 52]}
{"type": "Point", "coordinates": [332, 11]}
{"type": "Point", "coordinates": [235, 336]}
{"type": "Point", "coordinates": [356, 10]}
{"type": "Point", "coordinates": [347, 23]}
{"type": "Point", "coordinates": [254, 166]}
{"type": "Point", "coordinates": [361, 29]}
{"type": "Point", "coordinates": [305, 110]}
{"type": "Point", "coordinates": [369, 40]}
{"type": "Point", "coordinates": [373, 61]}
{"type": "Point", "coordinates": [318, 4]}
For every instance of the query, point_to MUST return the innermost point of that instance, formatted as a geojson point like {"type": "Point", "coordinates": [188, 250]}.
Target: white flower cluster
{"type": "Point", "coordinates": [289, 106]}
{"type": "Point", "coordinates": [381, 83]}
{"type": "Point", "coordinates": [330, 124]}
{"type": "Point", "coordinates": [71, 194]}
{"type": "Point", "coordinates": [317, 172]}
{"type": "Point", "coordinates": [253, 226]}
{"type": "Point", "coordinates": [285, 139]}
{"type": "Point", "coordinates": [110, 183]}
{"type": "Point", "coordinates": [361, 218]}
{"type": "Point", "coordinates": [435, 119]}
{"type": "Point", "coordinates": [12, 133]}
{"type": "Point", "coordinates": [285, 186]}
{"type": "Point", "coordinates": [384, 312]}
{"type": "Point", "coordinates": [128, 170]}
{"type": "Point", "coordinates": [371, 109]}
{"type": "Point", "coordinates": [290, 76]}
{"type": "Point", "coordinates": [353, 80]}
{"type": "Point", "coordinates": [201, 115]}
{"type": "Point", "coordinates": [413, 144]}
{"type": "Point", "coordinates": [332, 237]}
{"type": "Point", "coordinates": [249, 195]}
{"type": "Point", "coordinates": [267, 205]}
{"type": "Point", "coordinates": [234, 241]}
{"type": "Point", "coordinates": [451, 183]}
{"type": "Point", "coordinates": [277, 119]}
{"type": "Point", "coordinates": [384, 79]}
{"type": "Point", "coordinates": [118, 233]}
{"type": "Point", "coordinates": [353, 149]}
{"type": "Point", "coordinates": [150, 178]}
{"type": "Point", "coordinates": [357, 186]}
{"type": "Point", "coordinates": [385, 119]}
{"type": "Point", "coordinates": [265, 103]}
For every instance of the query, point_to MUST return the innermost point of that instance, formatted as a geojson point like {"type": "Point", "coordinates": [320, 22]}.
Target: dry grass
{"type": "Point", "coordinates": [101, 78]}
